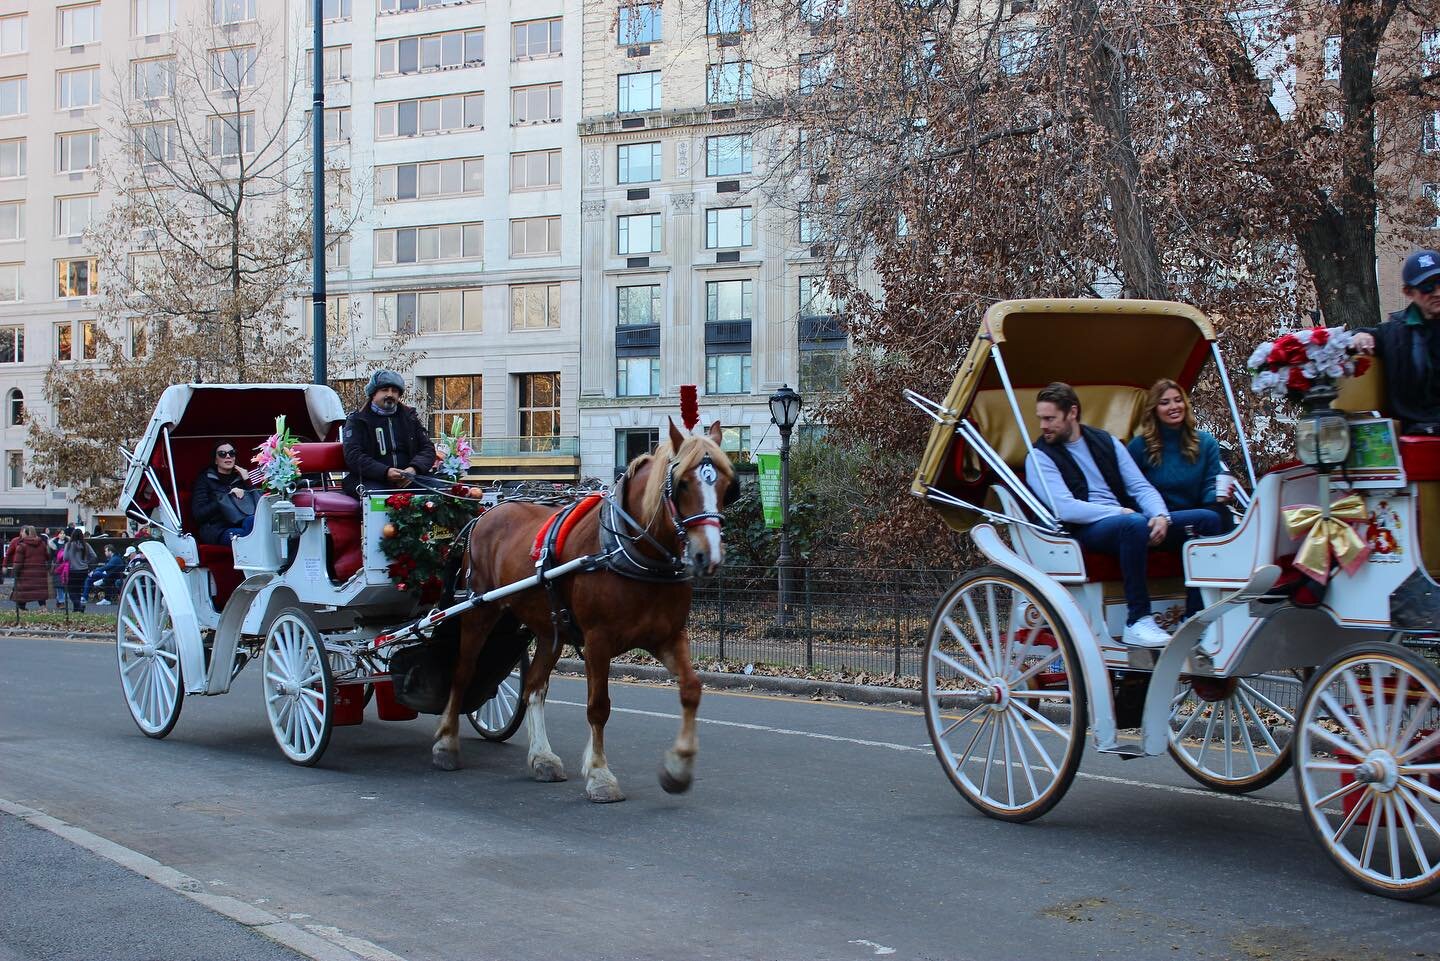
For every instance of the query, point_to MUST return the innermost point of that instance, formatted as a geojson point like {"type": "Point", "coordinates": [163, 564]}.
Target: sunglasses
{"type": "Point", "coordinates": [225, 453]}
{"type": "Point", "coordinates": [1429, 286]}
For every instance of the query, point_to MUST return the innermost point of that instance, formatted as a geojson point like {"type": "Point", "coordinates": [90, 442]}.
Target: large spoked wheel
{"type": "Point", "coordinates": [1234, 734]}
{"type": "Point", "coordinates": [1004, 696]}
{"type": "Point", "coordinates": [1367, 760]}
{"type": "Point", "coordinates": [499, 718]}
{"type": "Point", "coordinates": [299, 690]}
{"type": "Point", "coordinates": [149, 654]}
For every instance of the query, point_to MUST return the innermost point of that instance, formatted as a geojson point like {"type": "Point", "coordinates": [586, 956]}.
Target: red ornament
{"type": "Point", "coordinates": [429, 505]}
{"type": "Point", "coordinates": [689, 406]}
{"type": "Point", "coordinates": [401, 586]}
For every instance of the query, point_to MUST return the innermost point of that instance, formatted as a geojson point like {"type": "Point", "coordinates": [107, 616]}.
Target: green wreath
{"type": "Point", "coordinates": [420, 534]}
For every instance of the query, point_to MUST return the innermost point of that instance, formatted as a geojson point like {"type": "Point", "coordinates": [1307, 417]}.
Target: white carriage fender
{"type": "Point", "coordinates": [232, 621]}
{"type": "Point", "coordinates": [1092, 663]}
{"type": "Point", "coordinates": [182, 613]}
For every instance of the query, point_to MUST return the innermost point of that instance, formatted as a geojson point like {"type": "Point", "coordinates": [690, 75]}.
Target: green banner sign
{"type": "Point", "coordinates": [770, 487]}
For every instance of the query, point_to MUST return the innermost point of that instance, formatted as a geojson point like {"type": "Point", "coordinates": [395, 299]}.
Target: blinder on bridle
{"type": "Point", "coordinates": [707, 473]}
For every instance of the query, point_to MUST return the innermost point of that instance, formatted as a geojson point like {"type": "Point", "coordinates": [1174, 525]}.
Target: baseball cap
{"type": "Point", "coordinates": [1420, 267]}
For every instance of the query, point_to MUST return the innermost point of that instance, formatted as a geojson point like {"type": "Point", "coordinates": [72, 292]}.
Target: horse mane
{"type": "Point", "coordinates": [692, 450]}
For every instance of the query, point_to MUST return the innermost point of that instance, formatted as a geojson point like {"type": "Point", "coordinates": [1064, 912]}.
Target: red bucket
{"type": "Point", "coordinates": [349, 707]}
{"type": "Point", "coordinates": [389, 708]}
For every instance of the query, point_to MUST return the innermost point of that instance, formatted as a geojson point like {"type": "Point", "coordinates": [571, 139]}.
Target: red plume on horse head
{"type": "Point", "coordinates": [689, 406]}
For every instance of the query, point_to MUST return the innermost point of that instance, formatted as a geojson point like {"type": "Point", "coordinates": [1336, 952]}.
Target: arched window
{"type": "Point", "coordinates": [15, 408]}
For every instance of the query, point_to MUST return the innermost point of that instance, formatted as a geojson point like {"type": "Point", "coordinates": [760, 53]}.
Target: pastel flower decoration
{"type": "Point", "coordinates": [278, 459]}
{"type": "Point", "coordinates": [453, 452]}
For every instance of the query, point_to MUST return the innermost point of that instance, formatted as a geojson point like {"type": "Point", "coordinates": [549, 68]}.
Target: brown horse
{"type": "Point", "coordinates": [675, 495]}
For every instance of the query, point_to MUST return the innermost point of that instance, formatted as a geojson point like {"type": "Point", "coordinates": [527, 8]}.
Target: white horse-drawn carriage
{"type": "Point", "coordinates": [308, 592]}
{"type": "Point", "coordinates": [1025, 655]}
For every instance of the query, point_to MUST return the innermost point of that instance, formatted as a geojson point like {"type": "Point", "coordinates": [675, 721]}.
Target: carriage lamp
{"type": "Point", "coordinates": [1322, 438]}
{"type": "Point", "coordinates": [282, 519]}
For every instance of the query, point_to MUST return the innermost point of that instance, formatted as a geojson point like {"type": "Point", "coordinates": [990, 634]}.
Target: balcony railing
{"type": "Point", "coordinates": [822, 329]}
{"type": "Point", "coordinates": [550, 446]}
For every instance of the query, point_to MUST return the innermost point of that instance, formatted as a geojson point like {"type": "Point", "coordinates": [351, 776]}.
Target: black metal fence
{"type": "Point", "coordinates": [850, 620]}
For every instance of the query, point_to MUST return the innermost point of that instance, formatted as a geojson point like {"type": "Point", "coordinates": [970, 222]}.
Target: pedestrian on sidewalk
{"type": "Point", "coordinates": [81, 557]}
{"type": "Point", "coordinates": [30, 561]}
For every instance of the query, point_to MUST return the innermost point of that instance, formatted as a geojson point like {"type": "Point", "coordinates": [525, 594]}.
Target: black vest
{"type": "Point", "coordinates": [1102, 448]}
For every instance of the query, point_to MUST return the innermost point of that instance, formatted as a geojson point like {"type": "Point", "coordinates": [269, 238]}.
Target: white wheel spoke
{"type": "Point", "coordinates": [985, 719]}
{"type": "Point", "coordinates": [1417, 720]}
{"type": "Point", "coordinates": [1421, 788]}
{"type": "Point", "coordinates": [997, 643]}
{"type": "Point", "coordinates": [1425, 816]}
{"type": "Point", "coordinates": [1259, 721]}
{"type": "Point", "coordinates": [1206, 737]}
{"type": "Point", "coordinates": [1361, 806]}
{"type": "Point", "coordinates": [1420, 747]}
{"type": "Point", "coordinates": [970, 651]}
{"type": "Point", "coordinates": [982, 706]}
{"type": "Point", "coordinates": [1336, 794]}
{"type": "Point", "coordinates": [1011, 724]}
{"type": "Point", "coordinates": [1392, 837]}
{"type": "Point", "coordinates": [979, 632]}
{"type": "Point", "coordinates": [1258, 695]}
{"type": "Point", "coordinates": [1372, 830]}
{"type": "Point", "coordinates": [989, 760]}
{"type": "Point", "coordinates": [1037, 668]}
{"type": "Point", "coordinates": [1039, 748]}
{"type": "Point", "coordinates": [1194, 716]}
{"type": "Point", "coordinates": [1417, 848]}
{"type": "Point", "coordinates": [1336, 741]}
{"type": "Point", "coordinates": [1416, 769]}
{"type": "Point", "coordinates": [1397, 708]}
{"type": "Point", "coordinates": [1363, 744]}
{"type": "Point", "coordinates": [969, 675]}
{"type": "Point", "coordinates": [1043, 694]}
{"type": "Point", "coordinates": [1041, 719]}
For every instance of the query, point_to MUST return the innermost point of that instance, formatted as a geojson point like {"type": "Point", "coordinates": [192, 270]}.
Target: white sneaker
{"type": "Point", "coordinates": [101, 603]}
{"type": "Point", "coordinates": [1145, 633]}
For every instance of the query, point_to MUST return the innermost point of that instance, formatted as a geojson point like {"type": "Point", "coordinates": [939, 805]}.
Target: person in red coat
{"type": "Point", "coordinates": [31, 564]}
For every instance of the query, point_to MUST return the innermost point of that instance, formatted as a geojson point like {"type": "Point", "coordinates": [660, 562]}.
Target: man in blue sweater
{"type": "Point", "coordinates": [1092, 485]}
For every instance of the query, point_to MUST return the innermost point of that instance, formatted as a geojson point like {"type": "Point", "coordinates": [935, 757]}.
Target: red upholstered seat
{"type": "Point", "coordinates": [1106, 567]}
{"type": "Point", "coordinates": [220, 562]}
{"type": "Point", "coordinates": [320, 458]}
{"type": "Point", "coordinates": [327, 503]}
{"type": "Point", "coordinates": [1421, 457]}
{"type": "Point", "coordinates": [342, 521]}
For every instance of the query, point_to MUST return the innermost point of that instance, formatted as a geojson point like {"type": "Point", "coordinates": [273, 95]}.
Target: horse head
{"type": "Point", "coordinates": [691, 482]}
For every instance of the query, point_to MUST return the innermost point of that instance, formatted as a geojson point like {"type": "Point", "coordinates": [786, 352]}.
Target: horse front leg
{"type": "Point", "coordinates": [677, 771]}
{"type": "Point", "coordinates": [544, 764]}
{"type": "Point", "coordinates": [600, 783]}
{"type": "Point", "coordinates": [475, 627]}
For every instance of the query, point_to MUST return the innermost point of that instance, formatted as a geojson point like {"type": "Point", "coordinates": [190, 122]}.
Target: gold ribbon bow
{"type": "Point", "coordinates": [1327, 534]}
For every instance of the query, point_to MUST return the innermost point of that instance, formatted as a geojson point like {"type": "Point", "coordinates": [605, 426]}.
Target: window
{"type": "Point", "coordinates": [77, 151]}
{"type": "Point", "coordinates": [337, 125]}
{"type": "Point", "coordinates": [638, 234]}
{"type": "Point", "coordinates": [535, 170]}
{"type": "Point", "coordinates": [1432, 196]}
{"type": "Point", "coordinates": [153, 17]}
{"type": "Point", "coordinates": [460, 177]}
{"type": "Point", "coordinates": [817, 11]}
{"type": "Point", "coordinates": [638, 163]}
{"type": "Point", "coordinates": [429, 312]}
{"type": "Point", "coordinates": [156, 142]}
{"type": "Point", "coordinates": [1429, 141]}
{"type": "Point", "coordinates": [1017, 50]}
{"type": "Point", "coordinates": [1430, 50]}
{"type": "Point", "coordinates": [735, 442]}
{"type": "Point", "coordinates": [534, 236]}
{"type": "Point", "coordinates": [74, 214]}
{"type": "Point", "coordinates": [637, 305]}
{"type": "Point", "coordinates": [139, 334]}
{"type": "Point", "coordinates": [78, 88]}
{"type": "Point", "coordinates": [452, 397]}
{"type": "Point", "coordinates": [637, 376]}
{"type": "Point", "coordinates": [10, 290]}
{"type": "Point", "coordinates": [535, 38]}
{"type": "Point", "coordinates": [632, 443]}
{"type": "Point", "coordinates": [729, 300]}
{"type": "Point", "coordinates": [728, 82]}
{"type": "Point", "coordinates": [14, 96]}
{"type": "Point", "coordinates": [436, 51]}
{"type": "Point", "coordinates": [1331, 56]}
{"type": "Point", "coordinates": [727, 374]}
{"type": "Point", "coordinates": [15, 400]}
{"type": "Point", "coordinates": [79, 277]}
{"type": "Point", "coordinates": [64, 341]}
{"type": "Point", "coordinates": [337, 252]}
{"type": "Point", "coordinates": [329, 10]}
{"type": "Point", "coordinates": [87, 343]}
{"type": "Point", "coordinates": [232, 134]}
{"type": "Point", "coordinates": [232, 69]}
{"type": "Point", "coordinates": [14, 34]}
{"type": "Point", "coordinates": [639, 23]}
{"type": "Point", "coordinates": [336, 62]}
{"type": "Point", "coordinates": [729, 307]}
{"type": "Point", "coordinates": [638, 91]}
{"type": "Point", "coordinates": [535, 104]}
{"type": "Point", "coordinates": [12, 351]}
{"type": "Point", "coordinates": [728, 227]}
{"type": "Point", "coordinates": [337, 322]}
{"type": "Point", "coordinates": [821, 371]}
{"type": "Point", "coordinates": [233, 11]}
{"type": "Point", "coordinates": [816, 299]}
{"type": "Point", "coordinates": [727, 155]}
{"type": "Point", "coordinates": [411, 118]}
{"type": "Point", "coordinates": [728, 16]}
{"type": "Point", "coordinates": [151, 79]}
{"type": "Point", "coordinates": [425, 245]}
{"type": "Point", "coordinates": [815, 71]}
{"type": "Point", "coordinates": [534, 306]}
{"type": "Point", "coordinates": [79, 24]}
{"type": "Point", "coordinates": [15, 469]}
{"type": "Point", "coordinates": [147, 269]}
{"type": "Point", "coordinates": [408, 6]}
{"type": "Point", "coordinates": [539, 406]}
{"type": "Point", "coordinates": [810, 230]}
{"type": "Point", "coordinates": [12, 220]}
{"type": "Point", "coordinates": [12, 158]}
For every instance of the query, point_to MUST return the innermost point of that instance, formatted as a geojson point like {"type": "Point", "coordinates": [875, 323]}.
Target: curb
{"type": "Point", "coordinates": [795, 686]}
{"type": "Point", "coordinates": [307, 941]}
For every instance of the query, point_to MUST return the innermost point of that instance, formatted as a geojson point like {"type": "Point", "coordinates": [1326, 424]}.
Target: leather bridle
{"type": "Point", "coordinates": [707, 474]}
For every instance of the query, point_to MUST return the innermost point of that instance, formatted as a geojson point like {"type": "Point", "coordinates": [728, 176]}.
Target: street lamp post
{"type": "Point", "coordinates": [317, 183]}
{"type": "Point", "coordinates": [784, 412]}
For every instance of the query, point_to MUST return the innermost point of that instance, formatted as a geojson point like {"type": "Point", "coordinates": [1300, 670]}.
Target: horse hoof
{"type": "Point", "coordinates": [445, 760]}
{"type": "Point", "coordinates": [547, 769]}
{"type": "Point", "coordinates": [671, 784]}
{"type": "Point", "coordinates": [604, 792]}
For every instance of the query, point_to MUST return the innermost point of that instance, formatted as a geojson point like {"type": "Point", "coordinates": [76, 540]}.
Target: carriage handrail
{"type": "Point", "coordinates": [174, 484]}
{"type": "Point", "coordinates": [150, 475]}
{"type": "Point", "coordinates": [1004, 373]}
{"type": "Point", "coordinates": [1234, 410]}
{"type": "Point", "coordinates": [975, 439]}
{"type": "Point", "coordinates": [950, 500]}
{"type": "Point", "coordinates": [934, 410]}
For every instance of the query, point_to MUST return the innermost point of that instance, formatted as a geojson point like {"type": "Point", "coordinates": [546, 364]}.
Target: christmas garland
{"type": "Point", "coordinates": [420, 534]}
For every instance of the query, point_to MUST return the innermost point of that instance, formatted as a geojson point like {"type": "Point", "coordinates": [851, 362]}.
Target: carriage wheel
{"type": "Point", "coordinates": [499, 718]}
{"type": "Point", "coordinates": [1367, 761]}
{"type": "Point", "coordinates": [299, 689]}
{"type": "Point", "coordinates": [149, 654]}
{"type": "Point", "coordinates": [1233, 734]}
{"type": "Point", "coordinates": [1004, 697]}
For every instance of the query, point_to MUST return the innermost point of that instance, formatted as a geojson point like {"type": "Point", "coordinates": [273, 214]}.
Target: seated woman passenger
{"type": "Point", "coordinates": [1182, 463]}
{"type": "Point", "coordinates": [222, 500]}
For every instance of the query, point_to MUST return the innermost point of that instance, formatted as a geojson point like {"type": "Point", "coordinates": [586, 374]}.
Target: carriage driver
{"type": "Point", "coordinates": [386, 446]}
{"type": "Point", "coordinates": [1093, 486]}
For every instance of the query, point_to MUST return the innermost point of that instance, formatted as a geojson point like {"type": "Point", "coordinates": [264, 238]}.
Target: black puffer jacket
{"type": "Point", "coordinates": [205, 499]}
{"type": "Point", "coordinates": [374, 443]}
{"type": "Point", "coordinates": [1412, 378]}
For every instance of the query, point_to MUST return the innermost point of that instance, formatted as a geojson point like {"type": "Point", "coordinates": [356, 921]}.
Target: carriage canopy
{"type": "Point", "coordinates": [1110, 351]}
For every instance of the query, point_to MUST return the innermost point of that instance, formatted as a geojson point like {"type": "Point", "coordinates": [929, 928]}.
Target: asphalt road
{"type": "Point", "coordinates": [815, 830]}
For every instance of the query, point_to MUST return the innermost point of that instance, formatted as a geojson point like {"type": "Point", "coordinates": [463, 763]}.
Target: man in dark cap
{"type": "Point", "coordinates": [1408, 344]}
{"type": "Point", "coordinates": [386, 446]}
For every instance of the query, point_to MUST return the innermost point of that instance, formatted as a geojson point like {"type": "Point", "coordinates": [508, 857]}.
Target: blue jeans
{"type": "Point", "coordinates": [1127, 538]}
{"type": "Point", "coordinates": [230, 533]}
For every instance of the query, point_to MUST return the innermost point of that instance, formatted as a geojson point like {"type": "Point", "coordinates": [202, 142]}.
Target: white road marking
{"type": "Point", "coordinates": [927, 749]}
{"type": "Point", "coordinates": [879, 948]}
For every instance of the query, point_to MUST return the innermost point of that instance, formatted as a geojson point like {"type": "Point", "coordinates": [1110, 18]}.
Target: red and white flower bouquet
{"type": "Point", "coordinates": [1289, 366]}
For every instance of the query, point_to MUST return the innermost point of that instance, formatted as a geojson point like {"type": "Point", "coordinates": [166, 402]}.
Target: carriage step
{"type": "Point", "coordinates": [1125, 752]}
